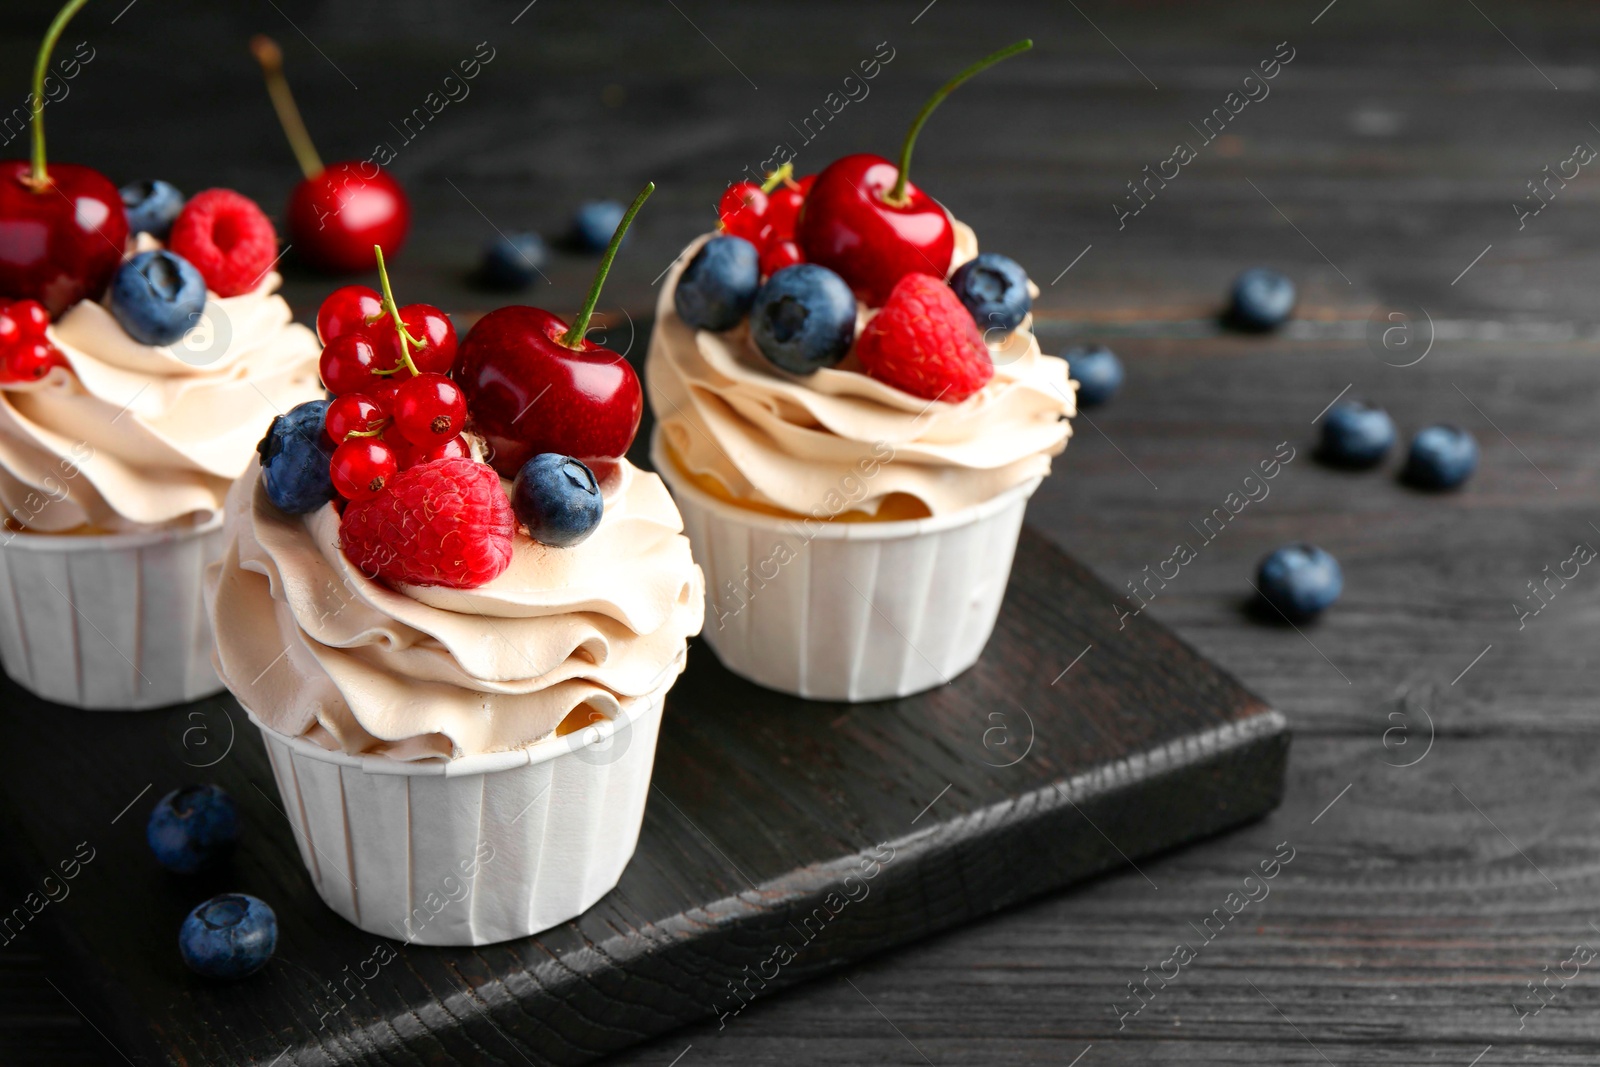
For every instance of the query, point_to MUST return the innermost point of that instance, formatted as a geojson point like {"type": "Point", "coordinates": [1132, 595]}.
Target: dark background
{"type": "Point", "coordinates": [1386, 158]}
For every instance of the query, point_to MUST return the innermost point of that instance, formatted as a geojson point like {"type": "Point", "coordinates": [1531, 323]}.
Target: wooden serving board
{"type": "Point", "coordinates": [782, 839]}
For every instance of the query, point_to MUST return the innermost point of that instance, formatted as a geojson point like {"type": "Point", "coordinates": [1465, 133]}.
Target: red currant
{"type": "Point", "coordinates": [352, 413]}
{"type": "Point", "coordinates": [31, 360]}
{"type": "Point", "coordinates": [361, 467]}
{"type": "Point", "coordinates": [742, 208]}
{"type": "Point", "coordinates": [783, 208]}
{"type": "Point", "coordinates": [31, 317]}
{"type": "Point", "coordinates": [384, 394]}
{"type": "Point", "coordinates": [354, 307]}
{"type": "Point", "coordinates": [409, 455]}
{"type": "Point", "coordinates": [347, 364]}
{"type": "Point", "coordinates": [780, 254]}
{"type": "Point", "coordinates": [429, 325]}
{"type": "Point", "coordinates": [10, 329]}
{"type": "Point", "coordinates": [428, 408]}
{"type": "Point", "coordinates": [805, 184]}
{"type": "Point", "coordinates": [455, 448]}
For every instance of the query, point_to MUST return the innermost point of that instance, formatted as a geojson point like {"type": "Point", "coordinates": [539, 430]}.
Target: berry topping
{"type": "Point", "coordinates": [1441, 457]}
{"type": "Point", "coordinates": [1356, 434]}
{"type": "Point", "coordinates": [31, 317]}
{"type": "Point", "coordinates": [594, 223]}
{"type": "Point", "coordinates": [512, 261]}
{"type": "Point", "coordinates": [1300, 581]}
{"type": "Point", "coordinates": [229, 936]}
{"type": "Point", "coordinates": [31, 360]}
{"type": "Point", "coordinates": [361, 467]}
{"type": "Point", "coordinates": [779, 254]}
{"type": "Point", "coordinates": [354, 413]}
{"type": "Point", "coordinates": [742, 210]}
{"type": "Point", "coordinates": [227, 238]}
{"type": "Point", "coordinates": [157, 296]}
{"type": "Point", "coordinates": [1263, 299]}
{"type": "Point", "coordinates": [441, 523]}
{"type": "Point", "coordinates": [719, 285]}
{"type": "Point", "coordinates": [350, 309]}
{"type": "Point", "coordinates": [347, 364]}
{"type": "Point", "coordinates": [1098, 372]}
{"type": "Point", "coordinates": [409, 455]}
{"type": "Point", "coordinates": [994, 289]}
{"type": "Point", "coordinates": [26, 354]}
{"type": "Point", "coordinates": [294, 459]}
{"type": "Point", "coordinates": [152, 207]}
{"type": "Point", "coordinates": [557, 498]}
{"type": "Point", "coordinates": [783, 210]}
{"type": "Point", "coordinates": [925, 343]}
{"type": "Point", "coordinates": [429, 409]}
{"type": "Point", "coordinates": [804, 318]}
{"type": "Point", "coordinates": [193, 828]}
{"type": "Point", "coordinates": [425, 324]}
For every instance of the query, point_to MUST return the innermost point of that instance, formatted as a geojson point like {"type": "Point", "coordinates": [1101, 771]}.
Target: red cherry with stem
{"type": "Point", "coordinates": [340, 211]}
{"type": "Point", "coordinates": [535, 385]}
{"type": "Point", "coordinates": [778, 255]}
{"type": "Point", "coordinates": [62, 228]}
{"type": "Point", "coordinates": [350, 307]}
{"type": "Point", "coordinates": [424, 323]}
{"type": "Point", "coordinates": [429, 408]}
{"type": "Point", "coordinates": [352, 413]}
{"type": "Point", "coordinates": [864, 220]}
{"type": "Point", "coordinates": [361, 467]}
{"type": "Point", "coordinates": [347, 364]}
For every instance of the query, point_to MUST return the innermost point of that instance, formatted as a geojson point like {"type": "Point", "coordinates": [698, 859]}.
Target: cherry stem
{"type": "Point", "coordinates": [406, 340]}
{"type": "Point", "coordinates": [897, 196]}
{"type": "Point", "coordinates": [573, 338]}
{"type": "Point", "coordinates": [270, 56]}
{"type": "Point", "coordinates": [778, 177]}
{"type": "Point", "coordinates": [40, 177]}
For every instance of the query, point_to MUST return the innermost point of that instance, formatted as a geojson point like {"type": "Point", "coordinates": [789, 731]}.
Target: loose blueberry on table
{"type": "Point", "coordinates": [512, 261]}
{"type": "Point", "coordinates": [1300, 581]}
{"type": "Point", "coordinates": [594, 223]}
{"type": "Point", "coordinates": [62, 227]}
{"type": "Point", "coordinates": [229, 936]}
{"type": "Point", "coordinates": [340, 212]}
{"type": "Point", "coordinates": [1097, 371]}
{"type": "Point", "coordinates": [193, 828]}
{"type": "Point", "coordinates": [1356, 434]}
{"type": "Point", "coordinates": [1441, 457]}
{"type": "Point", "coordinates": [1263, 299]}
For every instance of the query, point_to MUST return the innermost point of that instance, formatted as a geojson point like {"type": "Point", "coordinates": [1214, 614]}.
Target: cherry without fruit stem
{"type": "Point", "coordinates": [270, 56]}
{"type": "Point", "coordinates": [40, 177]}
{"type": "Point", "coordinates": [897, 196]}
{"type": "Point", "coordinates": [573, 338]}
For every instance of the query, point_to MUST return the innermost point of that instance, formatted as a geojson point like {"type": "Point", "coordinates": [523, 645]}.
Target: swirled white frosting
{"type": "Point", "coordinates": [316, 649]}
{"type": "Point", "coordinates": [138, 435]}
{"type": "Point", "coordinates": [802, 444]}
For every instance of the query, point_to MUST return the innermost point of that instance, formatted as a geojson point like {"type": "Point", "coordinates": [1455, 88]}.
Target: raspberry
{"type": "Point", "coordinates": [447, 523]}
{"type": "Point", "coordinates": [227, 238]}
{"type": "Point", "coordinates": [925, 343]}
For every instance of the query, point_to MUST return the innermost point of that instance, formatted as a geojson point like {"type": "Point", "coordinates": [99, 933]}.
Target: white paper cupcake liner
{"type": "Point", "coordinates": [476, 850]}
{"type": "Point", "coordinates": [109, 622]}
{"type": "Point", "coordinates": [848, 611]}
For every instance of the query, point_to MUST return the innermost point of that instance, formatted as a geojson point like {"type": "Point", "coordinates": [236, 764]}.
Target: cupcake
{"type": "Point", "coordinates": [852, 412]}
{"type": "Point", "coordinates": [459, 677]}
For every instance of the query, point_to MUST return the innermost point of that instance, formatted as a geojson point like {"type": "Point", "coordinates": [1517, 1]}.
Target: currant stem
{"type": "Point", "coordinates": [406, 340]}
{"type": "Point", "coordinates": [270, 56]}
{"type": "Point", "coordinates": [40, 177]}
{"type": "Point", "coordinates": [897, 196]}
{"type": "Point", "coordinates": [778, 177]}
{"type": "Point", "coordinates": [573, 338]}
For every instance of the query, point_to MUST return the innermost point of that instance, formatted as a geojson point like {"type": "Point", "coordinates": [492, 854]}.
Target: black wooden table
{"type": "Point", "coordinates": [1441, 805]}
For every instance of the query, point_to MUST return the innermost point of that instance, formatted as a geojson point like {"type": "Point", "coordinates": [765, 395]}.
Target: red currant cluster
{"type": "Point", "coordinates": [766, 215]}
{"type": "Point", "coordinates": [394, 405]}
{"type": "Point", "coordinates": [26, 354]}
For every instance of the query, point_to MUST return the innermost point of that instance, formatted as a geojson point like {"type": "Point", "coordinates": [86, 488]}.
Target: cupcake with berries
{"type": "Point", "coordinates": [142, 351]}
{"type": "Point", "coordinates": [454, 610]}
{"type": "Point", "coordinates": [852, 412]}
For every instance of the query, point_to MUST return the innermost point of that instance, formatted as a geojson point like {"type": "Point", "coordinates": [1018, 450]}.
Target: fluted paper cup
{"type": "Point", "coordinates": [475, 850]}
{"type": "Point", "coordinates": [850, 611]}
{"type": "Point", "coordinates": [109, 622]}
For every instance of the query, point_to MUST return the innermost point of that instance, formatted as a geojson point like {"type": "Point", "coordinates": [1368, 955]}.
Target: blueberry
{"type": "Point", "coordinates": [513, 261]}
{"type": "Point", "coordinates": [804, 318]}
{"type": "Point", "coordinates": [1262, 299]}
{"type": "Point", "coordinates": [157, 296]}
{"type": "Point", "coordinates": [718, 286]}
{"type": "Point", "coordinates": [295, 459]}
{"type": "Point", "coordinates": [557, 499]}
{"type": "Point", "coordinates": [192, 828]}
{"type": "Point", "coordinates": [595, 222]}
{"type": "Point", "coordinates": [152, 207]}
{"type": "Point", "coordinates": [1098, 372]}
{"type": "Point", "coordinates": [995, 289]}
{"type": "Point", "coordinates": [229, 936]}
{"type": "Point", "coordinates": [1356, 434]}
{"type": "Point", "coordinates": [1441, 457]}
{"type": "Point", "coordinates": [1300, 580]}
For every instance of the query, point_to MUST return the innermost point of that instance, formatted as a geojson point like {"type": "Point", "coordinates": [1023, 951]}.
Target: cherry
{"type": "Point", "coordinates": [352, 413]}
{"type": "Point", "coordinates": [429, 409]}
{"type": "Point", "coordinates": [340, 211]}
{"type": "Point", "coordinates": [778, 255]}
{"type": "Point", "coordinates": [424, 323]}
{"type": "Point", "coordinates": [535, 385]}
{"type": "Point", "coordinates": [347, 364]}
{"type": "Point", "coordinates": [361, 467]}
{"type": "Point", "coordinates": [864, 220]}
{"type": "Point", "coordinates": [741, 209]}
{"type": "Point", "coordinates": [351, 307]}
{"type": "Point", "coordinates": [63, 229]}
